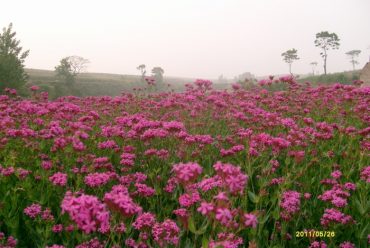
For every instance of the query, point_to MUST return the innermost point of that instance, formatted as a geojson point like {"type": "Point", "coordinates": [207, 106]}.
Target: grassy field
{"type": "Point", "coordinates": [345, 77]}
{"type": "Point", "coordinates": [97, 84]}
{"type": "Point", "coordinates": [199, 168]}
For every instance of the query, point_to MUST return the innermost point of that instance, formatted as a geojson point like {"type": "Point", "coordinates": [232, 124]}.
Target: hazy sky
{"type": "Point", "coordinates": [190, 38]}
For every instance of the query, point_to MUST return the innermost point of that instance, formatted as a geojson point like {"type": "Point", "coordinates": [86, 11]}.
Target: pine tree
{"type": "Point", "coordinates": [12, 74]}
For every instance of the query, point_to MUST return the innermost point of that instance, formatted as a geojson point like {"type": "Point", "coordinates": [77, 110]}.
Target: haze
{"type": "Point", "coordinates": [202, 39]}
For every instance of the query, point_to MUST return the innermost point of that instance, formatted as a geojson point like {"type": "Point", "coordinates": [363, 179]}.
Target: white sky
{"type": "Point", "coordinates": [190, 38]}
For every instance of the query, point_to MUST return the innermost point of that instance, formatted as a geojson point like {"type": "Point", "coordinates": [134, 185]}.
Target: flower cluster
{"type": "Point", "coordinates": [59, 179]}
{"type": "Point", "coordinates": [87, 212]}
{"type": "Point", "coordinates": [186, 173]}
{"type": "Point", "coordinates": [166, 233]}
{"type": "Point", "coordinates": [233, 179]}
{"type": "Point", "coordinates": [118, 199]}
{"type": "Point", "coordinates": [290, 203]}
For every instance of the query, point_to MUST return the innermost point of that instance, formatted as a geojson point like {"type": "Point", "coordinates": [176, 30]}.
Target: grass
{"type": "Point", "coordinates": [97, 84]}
{"type": "Point", "coordinates": [341, 77]}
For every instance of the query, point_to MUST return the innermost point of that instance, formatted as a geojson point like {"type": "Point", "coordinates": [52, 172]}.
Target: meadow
{"type": "Point", "coordinates": [99, 84]}
{"type": "Point", "coordinates": [199, 168]}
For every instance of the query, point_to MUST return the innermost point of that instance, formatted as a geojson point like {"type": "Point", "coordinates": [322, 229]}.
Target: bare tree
{"type": "Point", "coordinates": [313, 64]}
{"type": "Point", "coordinates": [353, 54]}
{"type": "Point", "coordinates": [70, 67]}
{"type": "Point", "coordinates": [142, 70]}
{"type": "Point", "coordinates": [78, 64]}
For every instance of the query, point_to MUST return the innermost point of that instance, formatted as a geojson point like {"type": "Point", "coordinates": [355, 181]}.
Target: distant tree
{"type": "Point", "coordinates": [326, 41]}
{"type": "Point", "coordinates": [313, 64]}
{"type": "Point", "coordinates": [142, 70]}
{"type": "Point", "coordinates": [70, 67]}
{"type": "Point", "coordinates": [289, 56]}
{"type": "Point", "coordinates": [222, 79]}
{"type": "Point", "coordinates": [158, 74]}
{"type": "Point", "coordinates": [353, 55]}
{"type": "Point", "coordinates": [12, 74]}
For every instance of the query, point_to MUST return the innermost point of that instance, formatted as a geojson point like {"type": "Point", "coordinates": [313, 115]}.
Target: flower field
{"type": "Point", "coordinates": [201, 168]}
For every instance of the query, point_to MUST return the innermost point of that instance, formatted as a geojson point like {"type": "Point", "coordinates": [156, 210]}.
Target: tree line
{"type": "Point", "coordinates": [12, 58]}
{"type": "Point", "coordinates": [13, 75]}
{"type": "Point", "coordinates": [326, 41]}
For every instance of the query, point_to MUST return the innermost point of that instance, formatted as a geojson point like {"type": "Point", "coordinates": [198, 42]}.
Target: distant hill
{"type": "Point", "coordinates": [96, 84]}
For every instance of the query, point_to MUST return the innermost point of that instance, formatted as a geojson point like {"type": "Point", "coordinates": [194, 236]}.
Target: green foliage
{"type": "Point", "coordinates": [326, 41]}
{"type": "Point", "coordinates": [64, 71]}
{"type": "Point", "coordinates": [12, 58]}
{"type": "Point", "coordinates": [289, 56]}
{"type": "Point", "coordinates": [158, 74]}
{"type": "Point", "coordinates": [70, 67]}
{"type": "Point", "coordinates": [343, 78]}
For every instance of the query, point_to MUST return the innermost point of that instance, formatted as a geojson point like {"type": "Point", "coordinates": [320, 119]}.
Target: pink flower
{"type": "Point", "coordinates": [337, 196]}
{"type": "Point", "coordinates": [205, 208]}
{"type": "Point", "coordinates": [186, 173]}
{"type": "Point", "coordinates": [236, 86]}
{"type": "Point", "coordinates": [291, 201]}
{"type": "Point", "coordinates": [166, 233]}
{"type": "Point", "coordinates": [47, 215]}
{"type": "Point", "coordinates": [120, 228]}
{"type": "Point", "coordinates": [339, 202]}
{"type": "Point", "coordinates": [317, 244]}
{"type": "Point", "coordinates": [93, 243]}
{"type": "Point", "coordinates": [87, 212]}
{"type": "Point", "coordinates": [332, 215]}
{"type": "Point", "coordinates": [34, 88]}
{"type": "Point", "coordinates": [226, 240]}
{"type": "Point", "coordinates": [336, 174]}
{"type": "Point", "coordinates": [209, 183]}
{"type": "Point", "coordinates": [173, 126]}
{"type": "Point", "coordinates": [221, 196]}
{"type": "Point", "coordinates": [350, 186]}
{"type": "Point", "coordinates": [186, 200]}
{"type": "Point", "coordinates": [33, 210]}
{"type": "Point", "coordinates": [234, 180]}
{"type": "Point", "coordinates": [365, 174]}
{"type": "Point", "coordinates": [127, 159]}
{"type": "Point", "coordinates": [347, 245]}
{"type": "Point", "coordinates": [144, 190]}
{"type": "Point", "coordinates": [250, 220]}
{"type": "Point", "coordinates": [144, 221]}
{"type": "Point", "coordinates": [119, 200]}
{"type": "Point", "coordinates": [224, 216]}
{"type": "Point", "coordinates": [98, 179]}
{"type": "Point", "coordinates": [7, 171]}
{"type": "Point", "coordinates": [181, 212]}
{"type": "Point", "coordinates": [46, 165]}
{"type": "Point", "coordinates": [57, 228]}
{"type": "Point", "coordinates": [307, 196]}
{"type": "Point", "coordinates": [59, 179]}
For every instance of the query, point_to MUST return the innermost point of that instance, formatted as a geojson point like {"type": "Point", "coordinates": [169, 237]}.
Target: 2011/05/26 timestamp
{"type": "Point", "coordinates": [315, 234]}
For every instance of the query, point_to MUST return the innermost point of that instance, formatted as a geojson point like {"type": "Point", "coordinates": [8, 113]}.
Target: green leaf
{"type": "Point", "coordinates": [253, 197]}
{"type": "Point", "coordinates": [359, 207]}
{"type": "Point", "coordinates": [205, 242]}
{"type": "Point", "coordinates": [364, 231]}
{"type": "Point", "coordinates": [203, 229]}
{"type": "Point", "coordinates": [276, 214]}
{"type": "Point", "coordinates": [192, 225]}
